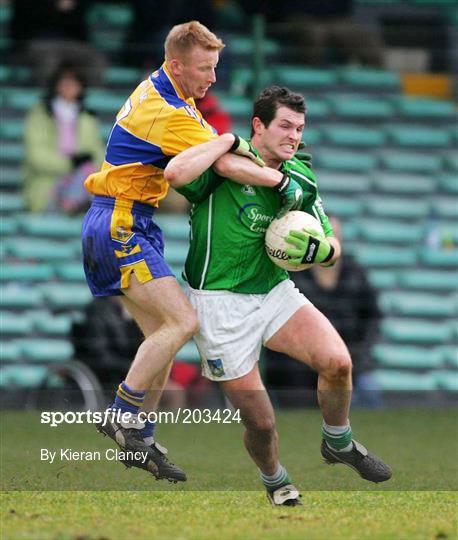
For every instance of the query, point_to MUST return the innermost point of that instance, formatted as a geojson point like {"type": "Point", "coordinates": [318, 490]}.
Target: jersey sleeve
{"type": "Point", "coordinates": [202, 187]}
{"type": "Point", "coordinates": [184, 129]}
{"type": "Point", "coordinates": [312, 202]}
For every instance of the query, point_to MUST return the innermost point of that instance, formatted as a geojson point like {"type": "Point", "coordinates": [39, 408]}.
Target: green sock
{"type": "Point", "coordinates": [337, 437]}
{"type": "Point", "coordinates": [277, 480]}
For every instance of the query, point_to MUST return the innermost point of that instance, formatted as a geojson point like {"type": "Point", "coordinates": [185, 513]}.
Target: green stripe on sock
{"type": "Point", "coordinates": [337, 441]}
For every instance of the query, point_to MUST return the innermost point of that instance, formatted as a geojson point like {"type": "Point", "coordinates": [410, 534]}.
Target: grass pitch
{"type": "Point", "coordinates": [223, 498]}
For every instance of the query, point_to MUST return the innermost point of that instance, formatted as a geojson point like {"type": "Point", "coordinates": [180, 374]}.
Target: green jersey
{"type": "Point", "coordinates": [228, 225]}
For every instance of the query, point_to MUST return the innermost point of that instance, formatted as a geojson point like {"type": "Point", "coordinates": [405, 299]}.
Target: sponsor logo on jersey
{"type": "Point", "coordinates": [253, 216]}
{"type": "Point", "coordinates": [248, 190]}
{"type": "Point", "coordinates": [277, 253]}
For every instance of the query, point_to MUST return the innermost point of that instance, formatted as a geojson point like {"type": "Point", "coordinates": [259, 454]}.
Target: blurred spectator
{"type": "Point", "coordinates": [62, 146]}
{"type": "Point", "coordinates": [212, 112]}
{"type": "Point", "coordinates": [50, 32]}
{"type": "Point", "coordinates": [343, 294]}
{"type": "Point", "coordinates": [107, 340]}
{"type": "Point", "coordinates": [323, 31]}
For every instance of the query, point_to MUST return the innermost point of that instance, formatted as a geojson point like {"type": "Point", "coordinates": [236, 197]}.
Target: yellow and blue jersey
{"type": "Point", "coordinates": [155, 124]}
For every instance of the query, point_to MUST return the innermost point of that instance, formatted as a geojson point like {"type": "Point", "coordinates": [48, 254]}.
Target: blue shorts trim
{"type": "Point", "coordinates": [120, 238]}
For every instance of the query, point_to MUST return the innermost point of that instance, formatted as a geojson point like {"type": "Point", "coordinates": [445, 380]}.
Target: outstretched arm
{"type": "Point", "coordinates": [191, 163]}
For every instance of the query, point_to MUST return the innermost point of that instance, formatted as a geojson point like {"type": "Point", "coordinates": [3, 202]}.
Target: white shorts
{"type": "Point", "coordinates": [233, 326]}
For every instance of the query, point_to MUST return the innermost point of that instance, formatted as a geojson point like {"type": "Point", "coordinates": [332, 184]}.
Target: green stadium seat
{"type": "Point", "coordinates": [50, 325]}
{"type": "Point", "coordinates": [452, 162]}
{"type": "Point", "coordinates": [398, 381]}
{"type": "Point", "coordinates": [122, 76]}
{"type": "Point", "coordinates": [12, 152]}
{"type": "Point", "coordinates": [345, 161]}
{"type": "Point", "coordinates": [39, 249]}
{"type": "Point", "coordinates": [434, 280]}
{"type": "Point", "coordinates": [447, 380]}
{"type": "Point", "coordinates": [25, 376]}
{"type": "Point", "coordinates": [242, 129]}
{"type": "Point", "coordinates": [395, 232]}
{"type": "Point", "coordinates": [448, 183]}
{"type": "Point", "coordinates": [316, 109]}
{"type": "Point", "coordinates": [111, 14]}
{"type": "Point", "coordinates": [450, 356]}
{"type": "Point", "coordinates": [362, 107]}
{"type": "Point", "coordinates": [350, 230]}
{"type": "Point", "coordinates": [11, 202]}
{"type": "Point", "coordinates": [72, 271]}
{"type": "Point", "coordinates": [242, 45]}
{"type": "Point", "coordinates": [415, 304]}
{"type": "Point", "coordinates": [104, 101]}
{"type": "Point", "coordinates": [236, 106]}
{"type": "Point", "coordinates": [12, 129]}
{"type": "Point", "coordinates": [381, 256]}
{"type": "Point", "coordinates": [351, 135]}
{"type": "Point", "coordinates": [445, 258]}
{"type": "Point", "coordinates": [300, 77]}
{"type": "Point", "coordinates": [188, 353]}
{"type": "Point", "coordinates": [23, 100]}
{"type": "Point", "coordinates": [403, 330]}
{"type": "Point", "coordinates": [20, 297]}
{"type": "Point", "coordinates": [401, 161]}
{"type": "Point", "coordinates": [46, 350]}
{"type": "Point", "coordinates": [65, 296]}
{"type": "Point", "coordinates": [9, 351]}
{"type": "Point", "coordinates": [5, 71]}
{"type": "Point", "coordinates": [365, 78]}
{"type": "Point", "coordinates": [26, 272]}
{"type": "Point", "coordinates": [344, 207]}
{"type": "Point", "coordinates": [445, 207]}
{"type": "Point", "coordinates": [242, 79]}
{"type": "Point", "coordinates": [14, 324]}
{"type": "Point", "coordinates": [175, 252]}
{"type": "Point", "coordinates": [54, 226]}
{"type": "Point", "coordinates": [105, 130]}
{"type": "Point", "coordinates": [343, 183]}
{"type": "Point", "coordinates": [395, 207]}
{"type": "Point", "coordinates": [403, 183]}
{"type": "Point", "coordinates": [414, 108]}
{"type": "Point", "coordinates": [405, 356]}
{"type": "Point", "coordinates": [312, 136]}
{"type": "Point", "coordinates": [175, 227]}
{"type": "Point", "coordinates": [454, 133]}
{"type": "Point", "coordinates": [8, 225]}
{"type": "Point", "coordinates": [427, 137]}
{"type": "Point", "coordinates": [11, 177]}
{"type": "Point", "coordinates": [382, 279]}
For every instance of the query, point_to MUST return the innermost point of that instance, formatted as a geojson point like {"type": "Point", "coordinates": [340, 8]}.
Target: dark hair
{"type": "Point", "coordinates": [65, 68]}
{"type": "Point", "coordinates": [272, 97]}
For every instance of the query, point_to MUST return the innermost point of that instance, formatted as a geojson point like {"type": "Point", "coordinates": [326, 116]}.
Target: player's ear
{"type": "Point", "coordinates": [175, 66]}
{"type": "Point", "coordinates": [257, 125]}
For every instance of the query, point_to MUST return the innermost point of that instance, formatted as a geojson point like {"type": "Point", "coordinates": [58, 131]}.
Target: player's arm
{"type": "Point", "coordinates": [191, 163]}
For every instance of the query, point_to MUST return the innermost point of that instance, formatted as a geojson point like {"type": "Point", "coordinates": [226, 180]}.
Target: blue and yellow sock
{"type": "Point", "coordinates": [128, 400]}
{"type": "Point", "coordinates": [148, 432]}
{"type": "Point", "coordinates": [338, 437]}
{"type": "Point", "coordinates": [277, 480]}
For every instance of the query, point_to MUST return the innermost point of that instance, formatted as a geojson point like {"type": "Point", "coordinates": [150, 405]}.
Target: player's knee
{"type": "Point", "coordinates": [264, 426]}
{"type": "Point", "coordinates": [189, 324]}
{"type": "Point", "coordinates": [341, 367]}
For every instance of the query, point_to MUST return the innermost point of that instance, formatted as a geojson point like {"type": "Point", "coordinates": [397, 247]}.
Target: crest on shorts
{"type": "Point", "coordinates": [216, 367]}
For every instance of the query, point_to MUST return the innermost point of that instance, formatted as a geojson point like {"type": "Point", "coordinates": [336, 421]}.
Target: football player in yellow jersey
{"type": "Point", "coordinates": [123, 247]}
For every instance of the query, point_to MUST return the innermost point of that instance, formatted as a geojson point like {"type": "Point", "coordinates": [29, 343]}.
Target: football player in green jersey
{"type": "Point", "coordinates": [243, 300]}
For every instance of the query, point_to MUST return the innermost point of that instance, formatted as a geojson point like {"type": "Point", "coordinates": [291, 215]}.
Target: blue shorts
{"type": "Point", "coordinates": [119, 238]}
